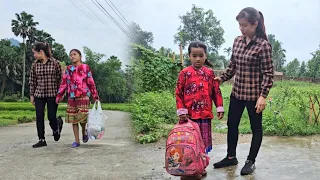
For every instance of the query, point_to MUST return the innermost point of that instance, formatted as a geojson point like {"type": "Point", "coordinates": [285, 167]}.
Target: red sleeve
{"type": "Point", "coordinates": [180, 94]}
{"type": "Point", "coordinates": [217, 95]}
{"type": "Point", "coordinates": [91, 85]}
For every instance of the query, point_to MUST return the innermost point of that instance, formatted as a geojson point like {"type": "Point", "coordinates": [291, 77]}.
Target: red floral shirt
{"type": "Point", "coordinates": [195, 91]}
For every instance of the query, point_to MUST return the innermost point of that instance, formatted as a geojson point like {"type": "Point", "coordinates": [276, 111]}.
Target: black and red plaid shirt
{"type": "Point", "coordinates": [252, 67]}
{"type": "Point", "coordinates": [45, 78]}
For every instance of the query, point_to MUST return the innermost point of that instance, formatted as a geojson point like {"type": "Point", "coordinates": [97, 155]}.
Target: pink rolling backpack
{"type": "Point", "coordinates": [185, 150]}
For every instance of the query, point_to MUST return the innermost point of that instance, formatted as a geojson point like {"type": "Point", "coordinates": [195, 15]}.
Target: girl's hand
{"type": "Point", "coordinates": [220, 115]}
{"type": "Point", "coordinates": [183, 118]}
{"type": "Point", "coordinates": [261, 104]}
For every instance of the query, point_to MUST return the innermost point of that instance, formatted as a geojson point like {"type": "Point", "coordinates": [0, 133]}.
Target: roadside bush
{"type": "Point", "coordinates": [151, 114]}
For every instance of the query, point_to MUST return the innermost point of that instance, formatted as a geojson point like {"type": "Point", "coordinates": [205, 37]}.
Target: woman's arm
{"type": "Point", "coordinates": [181, 109]}
{"type": "Point", "coordinates": [33, 79]}
{"type": "Point", "coordinates": [59, 73]}
{"type": "Point", "coordinates": [63, 86]}
{"type": "Point", "coordinates": [266, 69]}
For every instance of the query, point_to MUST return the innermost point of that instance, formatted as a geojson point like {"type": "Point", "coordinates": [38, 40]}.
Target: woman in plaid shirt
{"type": "Point", "coordinates": [251, 65]}
{"type": "Point", "coordinates": [45, 78]}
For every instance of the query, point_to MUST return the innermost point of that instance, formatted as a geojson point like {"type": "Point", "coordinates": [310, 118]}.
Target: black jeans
{"type": "Point", "coordinates": [236, 109]}
{"type": "Point", "coordinates": [52, 108]}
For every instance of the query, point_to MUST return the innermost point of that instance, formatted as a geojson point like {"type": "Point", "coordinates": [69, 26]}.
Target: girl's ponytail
{"type": "Point", "coordinates": [48, 53]}
{"type": "Point", "coordinates": [261, 29]}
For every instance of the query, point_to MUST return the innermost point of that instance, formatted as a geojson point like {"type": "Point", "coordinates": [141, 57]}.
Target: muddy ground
{"type": "Point", "coordinates": [118, 157]}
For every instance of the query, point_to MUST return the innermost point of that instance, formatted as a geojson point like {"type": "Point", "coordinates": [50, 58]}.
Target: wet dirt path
{"type": "Point", "coordinates": [118, 157]}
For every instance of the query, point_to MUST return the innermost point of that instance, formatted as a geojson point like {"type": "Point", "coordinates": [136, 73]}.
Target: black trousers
{"type": "Point", "coordinates": [52, 108]}
{"type": "Point", "coordinates": [236, 109]}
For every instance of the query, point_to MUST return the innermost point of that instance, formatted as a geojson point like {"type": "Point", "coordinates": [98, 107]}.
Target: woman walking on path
{"type": "Point", "coordinates": [251, 64]}
{"type": "Point", "coordinates": [45, 78]}
{"type": "Point", "coordinates": [195, 91]}
{"type": "Point", "coordinates": [80, 85]}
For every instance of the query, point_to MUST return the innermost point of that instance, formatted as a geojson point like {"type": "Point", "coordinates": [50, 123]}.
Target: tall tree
{"type": "Point", "coordinates": [59, 52]}
{"type": "Point", "coordinates": [292, 69]}
{"type": "Point", "coordinates": [23, 26]}
{"type": "Point", "coordinates": [41, 36]}
{"type": "Point", "coordinates": [303, 69]}
{"type": "Point", "coordinates": [314, 65]}
{"type": "Point", "coordinates": [9, 64]}
{"type": "Point", "coordinates": [143, 38]}
{"type": "Point", "coordinates": [202, 26]}
{"type": "Point", "coordinates": [278, 53]}
{"type": "Point", "coordinates": [228, 51]}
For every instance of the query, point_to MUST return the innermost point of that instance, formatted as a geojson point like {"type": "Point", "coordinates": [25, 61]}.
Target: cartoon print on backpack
{"type": "Point", "coordinates": [175, 158]}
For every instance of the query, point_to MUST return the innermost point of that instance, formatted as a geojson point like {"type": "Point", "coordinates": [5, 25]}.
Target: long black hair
{"type": "Point", "coordinates": [253, 15]}
{"type": "Point", "coordinates": [198, 44]}
{"type": "Point", "coordinates": [45, 47]}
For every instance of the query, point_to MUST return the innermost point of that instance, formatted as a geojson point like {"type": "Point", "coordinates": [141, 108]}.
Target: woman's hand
{"type": "Point", "coordinates": [32, 100]}
{"type": "Point", "coordinates": [218, 79]}
{"type": "Point", "coordinates": [220, 115]}
{"type": "Point", "coordinates": [261, 104]}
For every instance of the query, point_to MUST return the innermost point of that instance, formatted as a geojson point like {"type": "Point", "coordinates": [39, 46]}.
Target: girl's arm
{"type": "Point", "coordinates": [266, 69]}
{"type": "Point", "coordinates": [92, 85]}
{"type": "Point", "coordinates": [217, 95]}
{"type": "Point", "coordinates": [63, 86]}
{"type": "Point", "coordinates": [181, 109]}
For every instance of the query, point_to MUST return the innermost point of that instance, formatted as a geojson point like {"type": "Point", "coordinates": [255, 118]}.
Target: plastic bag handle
{"type": "Point", "coordinates": [99, 108]}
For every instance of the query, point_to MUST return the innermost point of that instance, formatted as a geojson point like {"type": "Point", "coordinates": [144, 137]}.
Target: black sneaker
{"type": "Point", "coordinates": [248, 168]}
{"type": "Point", "coordinates": [39, 144]}
{"type": "Point", "coordinates": [60, 123]}
{"type": "Point", "coordinates": [226, 162]}
{"type": "Point", "coordinates": [56, 134]}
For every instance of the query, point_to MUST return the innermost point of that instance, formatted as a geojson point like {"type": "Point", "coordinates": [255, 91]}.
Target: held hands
{"type": "Point", "coordinates": [218, 79]}
{"type": "Point", "coordinates": [261, 104]}
{"type": "Point", "coordinates": [183, 118]}
{"type": "Point", "coordinates": [220, 115]}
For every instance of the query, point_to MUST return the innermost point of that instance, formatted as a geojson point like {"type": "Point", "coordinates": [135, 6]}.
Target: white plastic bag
{"type": "Point", "coordinates": [96, 121]}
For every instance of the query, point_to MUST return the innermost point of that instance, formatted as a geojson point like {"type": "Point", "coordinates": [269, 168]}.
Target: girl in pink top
{"type": "Point", "coordinates": [80, 86]}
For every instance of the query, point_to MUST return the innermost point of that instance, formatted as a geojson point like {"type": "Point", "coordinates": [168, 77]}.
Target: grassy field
{"type": "Point", "coordinates": [286, 114]}
{"type": "Point", "coordinates": [287, 111]}
{"type": "Point", "coordinates": [20, 112]}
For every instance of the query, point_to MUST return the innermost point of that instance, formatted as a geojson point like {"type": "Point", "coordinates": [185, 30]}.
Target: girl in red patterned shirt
{"type": "Point", "coordinates": [195, 91]}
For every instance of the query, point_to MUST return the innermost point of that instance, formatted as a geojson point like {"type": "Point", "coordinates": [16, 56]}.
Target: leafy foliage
{"type": "Point", "coordinates": [202, 26]}
{"type": "Point", "coordinates": [151, 112]}
{"type": "Point", "coordinates": [278, 53]}
{"type": "Point", "coordinates": [155, 72]}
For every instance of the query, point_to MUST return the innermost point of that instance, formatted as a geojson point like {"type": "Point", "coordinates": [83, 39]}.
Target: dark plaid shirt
{"type": "Point", "coordinates": [45, 78]}
{"type": "Point", "coordinates": [252, 67]}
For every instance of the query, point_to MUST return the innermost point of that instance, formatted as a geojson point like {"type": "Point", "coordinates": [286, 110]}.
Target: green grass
{"type": "Point", "coordinates": [290, 99]}
{"type": "Point", "coordinates": [154, 113]}
{"type": "Point", "coordinates": [23, 112]}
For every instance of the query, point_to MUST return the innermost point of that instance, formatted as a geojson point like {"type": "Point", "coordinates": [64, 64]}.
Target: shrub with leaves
{"type": "Point", "coordinates": [151, 114]}
{"type": "Point", "coordinates": [154, 72]}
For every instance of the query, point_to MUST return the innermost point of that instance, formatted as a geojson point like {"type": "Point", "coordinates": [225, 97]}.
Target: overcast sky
{"type": "Point", "coordinates": [295, 23]}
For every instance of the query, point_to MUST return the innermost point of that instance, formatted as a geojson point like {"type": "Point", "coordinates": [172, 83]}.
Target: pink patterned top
{"type": "Point", "coordinates": [79, 83]}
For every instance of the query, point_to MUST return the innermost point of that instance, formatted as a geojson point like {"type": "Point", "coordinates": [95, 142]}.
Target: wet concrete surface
{"type": "Point", "coordinates": [118, 157]}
